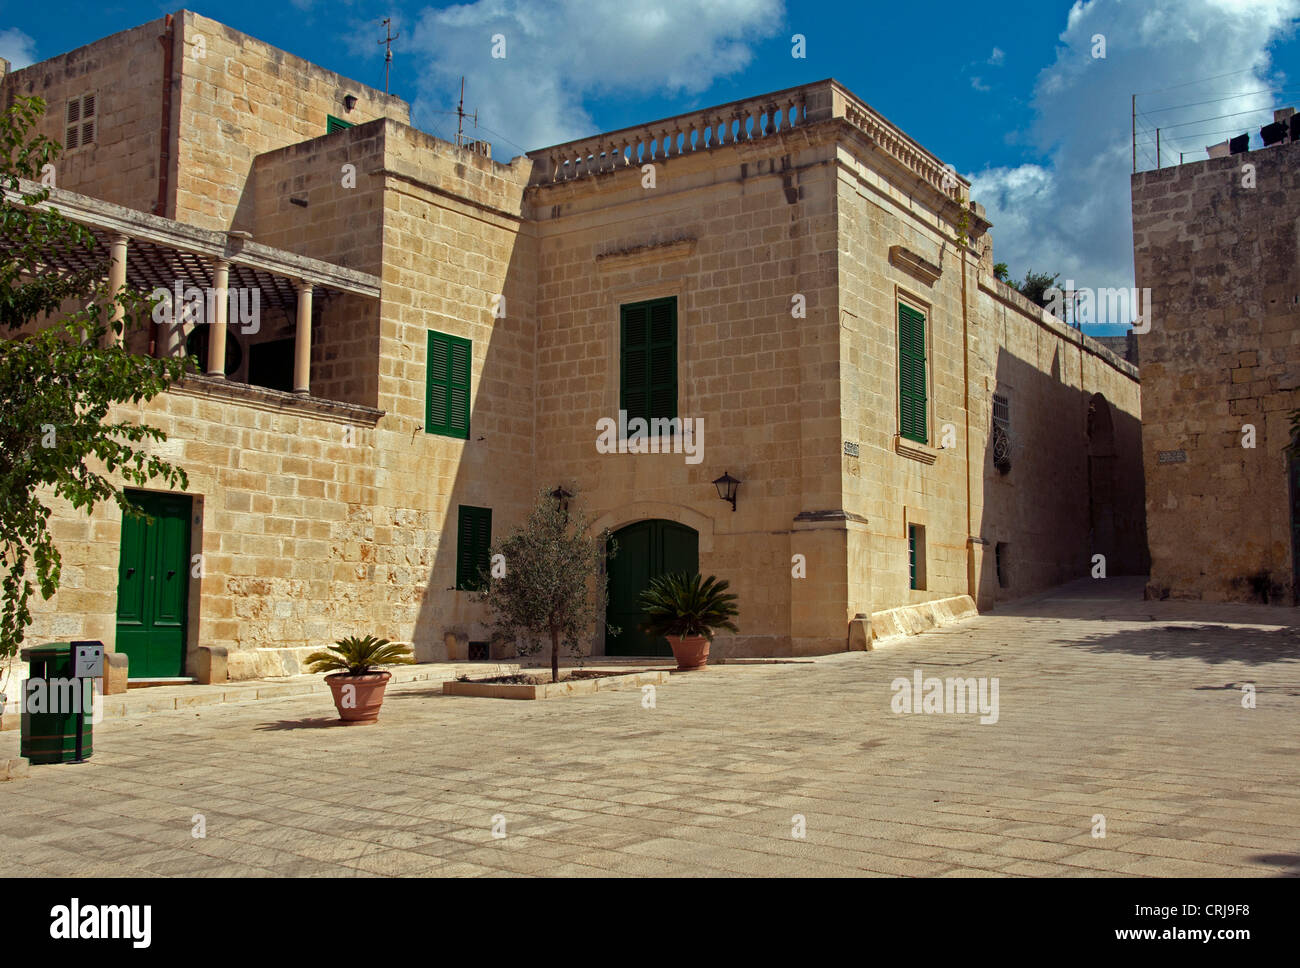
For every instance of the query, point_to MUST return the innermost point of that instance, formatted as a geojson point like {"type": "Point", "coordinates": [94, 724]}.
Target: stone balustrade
{"type": "Point", "coordinates": [903, 149]}
{"type": "Point", "coordinates": [726, 124]}
{"type": "Point", "coordinates": [747, 120]}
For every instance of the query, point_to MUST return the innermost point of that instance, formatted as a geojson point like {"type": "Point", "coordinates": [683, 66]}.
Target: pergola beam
{"type": "Point", "coordinates": [197, 248]}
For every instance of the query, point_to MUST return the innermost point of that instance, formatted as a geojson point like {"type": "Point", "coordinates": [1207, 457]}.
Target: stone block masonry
{"type": "Point", "coordinates": [1216, 242]}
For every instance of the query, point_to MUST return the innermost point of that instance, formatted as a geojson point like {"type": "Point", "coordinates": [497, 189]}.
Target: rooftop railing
{"type": "Point", "coordinates": [738, 122]}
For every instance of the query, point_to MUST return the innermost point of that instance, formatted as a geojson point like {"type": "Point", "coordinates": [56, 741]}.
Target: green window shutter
{"type": "Point", "coordinates": [333, 124]}
{"type": "Point", "coordinates": [911, 374]}
{"type": "Point", "coordinates": [473, 541]}
{"type": "Point", "coordinates": [663, 358]}
{"type": "Point", "coordinates": [648, 364]}
{"type": "Point", "coordinates": [634, 393]}
{"type": "Point", "coordinates": [446, 405]}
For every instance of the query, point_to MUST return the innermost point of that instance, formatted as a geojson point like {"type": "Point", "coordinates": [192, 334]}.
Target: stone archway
{"type": "Point", "coordinates": [645, 510]}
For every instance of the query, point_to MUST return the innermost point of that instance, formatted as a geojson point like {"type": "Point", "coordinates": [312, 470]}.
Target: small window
{"type": "Point", "coordinates": [446, 404]}
{"type": "Point", "coordinates": [473, 539]}
{"type": "Point", "coordinates": [912, 395]}
{"type": "Point", "coordinates": [648, 358]}
{"type": "Point", "coordinates": [1002, 411]}
{"type": "Point", "coordinates": [916, 557]}
{"type": "Point", "coordinates": [1001, 435]}
{"type": "Point", "coordinates": [81, 121]}
{"type": "Point", "coordinates": [1000, 554]}
{"type": "Point", "coordinates": [333, 124]}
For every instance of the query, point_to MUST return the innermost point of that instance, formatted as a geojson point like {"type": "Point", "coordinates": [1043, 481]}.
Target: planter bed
{"type": "Point", "coordinates": [579, 682]}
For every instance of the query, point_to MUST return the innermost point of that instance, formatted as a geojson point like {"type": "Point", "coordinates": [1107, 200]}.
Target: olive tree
{"type": "Point", "coordinates": [544, 582]}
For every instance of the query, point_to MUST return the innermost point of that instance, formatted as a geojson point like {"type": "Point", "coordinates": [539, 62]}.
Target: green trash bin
{"type": "Point", "coordinates": [51, 736]}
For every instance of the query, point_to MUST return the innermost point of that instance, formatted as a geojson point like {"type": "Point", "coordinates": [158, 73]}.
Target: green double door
{"type": "Point", "coordinates": [646, 550]}
{"type": "Point", "coordinates": [153, 586]}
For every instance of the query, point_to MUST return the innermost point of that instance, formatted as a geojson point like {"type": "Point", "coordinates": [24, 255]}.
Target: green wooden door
{"type": "Point", "coordinates": [646, 550]}
{"type": "Point", "coordinates": [153, 586]}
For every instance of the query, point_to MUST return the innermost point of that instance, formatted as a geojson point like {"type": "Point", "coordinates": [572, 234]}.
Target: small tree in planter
{"type": "Point", "coordinates": [357, 682]}
{"type": "Point", "coordinates": [552, 589]}
{"type": "Point", "coordinates": [686, 610]}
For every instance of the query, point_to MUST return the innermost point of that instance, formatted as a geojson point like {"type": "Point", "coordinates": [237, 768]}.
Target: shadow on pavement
{"type": "Point", "coordinates": [320, 722]}
{"type": "Point", "coordinates": [1212, 644]}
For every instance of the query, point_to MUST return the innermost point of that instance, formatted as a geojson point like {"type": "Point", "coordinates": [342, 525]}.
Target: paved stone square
{"type": "Point", "coordinates": [1107, 705]}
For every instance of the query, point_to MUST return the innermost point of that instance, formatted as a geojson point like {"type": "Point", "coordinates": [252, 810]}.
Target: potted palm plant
{"type": "Point", "coordinates": [686, 609]}
{"type": "Point", "coordinates": [356, 680]}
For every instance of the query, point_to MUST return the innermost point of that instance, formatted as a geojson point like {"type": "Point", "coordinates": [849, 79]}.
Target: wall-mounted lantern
{"type": "Point", "coordinates": [349, 101]}
{"type": "Point", "coordinates": [727, 485]}
{"type": "Point", "coordinates": [561, 497]}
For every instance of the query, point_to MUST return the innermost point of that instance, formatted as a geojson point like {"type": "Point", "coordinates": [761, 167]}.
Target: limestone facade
{"type": "Point", "coordinates": [1218, 244]}
{"type": "Point", "coordinates": [788, 228]}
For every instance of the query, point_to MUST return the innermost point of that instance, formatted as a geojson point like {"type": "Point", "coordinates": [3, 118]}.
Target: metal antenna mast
{"type": "Point", "coordinates": [388, 48]}
{"type": "Point", "coordinates": [461, 115]}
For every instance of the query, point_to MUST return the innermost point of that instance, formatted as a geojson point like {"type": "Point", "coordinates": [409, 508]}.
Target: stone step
{"type": "Point", "coordinates": [169, 698]}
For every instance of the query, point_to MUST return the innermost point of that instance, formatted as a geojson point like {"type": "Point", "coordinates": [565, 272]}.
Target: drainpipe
{"type": "Point", "coordinates": [165, 130]}
{"type": "Point", "coordinates": [972, 579]}
{"type": "Point", "coordinates": [164, 148]}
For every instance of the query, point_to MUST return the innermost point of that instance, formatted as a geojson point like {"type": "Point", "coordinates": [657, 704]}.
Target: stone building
{"type": "Point", "coordinates": [1218, 244]}
{"type": "Point", "coordinates": [442, 335]}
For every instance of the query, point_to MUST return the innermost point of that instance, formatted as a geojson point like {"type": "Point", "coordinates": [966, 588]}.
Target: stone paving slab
{"type": "Point", "coordinates": [1108, 706]}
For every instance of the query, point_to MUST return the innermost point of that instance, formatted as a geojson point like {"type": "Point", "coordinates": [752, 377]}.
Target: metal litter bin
{"type": "Point", "coordinates": [50, 734]}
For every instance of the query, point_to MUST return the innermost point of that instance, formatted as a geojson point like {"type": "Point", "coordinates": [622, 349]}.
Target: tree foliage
{"type": "Point", "coordinates": [552, 587]}
{"type": "Point", "coordinates": [60, 376]}
{"type": "Point", "coordinates": [1035, 286]}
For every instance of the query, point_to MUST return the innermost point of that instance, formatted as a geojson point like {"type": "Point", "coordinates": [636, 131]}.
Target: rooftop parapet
{"type": "Point", "coordinates": [739, 122]}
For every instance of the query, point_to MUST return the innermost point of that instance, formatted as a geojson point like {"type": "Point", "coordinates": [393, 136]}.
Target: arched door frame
{"type": "Point", "coordinates": [621, 517]}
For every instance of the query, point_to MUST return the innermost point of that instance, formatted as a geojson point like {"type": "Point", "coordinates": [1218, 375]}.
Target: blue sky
{"type": "Point", "coordinates": [1014, 98]}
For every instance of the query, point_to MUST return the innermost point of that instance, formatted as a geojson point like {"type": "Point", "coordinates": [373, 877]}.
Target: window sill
{"type": "Point", "coordinates": [914, 451]}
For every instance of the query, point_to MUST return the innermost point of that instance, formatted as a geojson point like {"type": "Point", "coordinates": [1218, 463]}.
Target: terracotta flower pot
{"type": "Point", "coordinates": [360, 704]}
{"type": "Point", "coordinates": [691, 652]}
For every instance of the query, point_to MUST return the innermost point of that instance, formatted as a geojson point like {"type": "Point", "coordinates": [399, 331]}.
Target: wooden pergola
{"type": "Point", "coordinates": [146, 252]}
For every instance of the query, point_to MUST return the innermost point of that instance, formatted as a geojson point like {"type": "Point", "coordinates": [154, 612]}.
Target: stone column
{"type": "Point", "coordinates": [116, 282]}
{"type": "Point", "coordinates": [302, 344]}
{"type": "Point", "coordinates": [221, 307]}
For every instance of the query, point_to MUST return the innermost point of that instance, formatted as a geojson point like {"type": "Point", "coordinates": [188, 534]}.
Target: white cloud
{"type": "Point", "coordinates": [17, 48]}
{"type": "Point", "coordinates": [1071, 212]}
{"type": "Point", "coordinates": [997, 57]}
{"type": "Point", "coordinates": [979, 85]}
{"type": "Point", "coordinates": [558, 52]}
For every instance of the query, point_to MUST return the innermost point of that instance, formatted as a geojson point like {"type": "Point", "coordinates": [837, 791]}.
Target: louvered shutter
{"type": "Point", "coordinates": [649, 359]}
{"type": "Point", "coordinates": [663, 359]}
{"type": "Point", "coordinates": [447, 379]}
{"type": "Point", "coordinates": [911, 374]}
{"type": "Point", "coordinates": [634, 396]}
{"type": "Point", "coordinates": [72, 136]}
{"type": "Point", "coordinates": [88, 119]}
{"type": "Point", "coordinates": [473, 541]}
{"type": "Point", "coordinates": [438, 380]}
{"type": "Point", "coordinates": [458, 392]}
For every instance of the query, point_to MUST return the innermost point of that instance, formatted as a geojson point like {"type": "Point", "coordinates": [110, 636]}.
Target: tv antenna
{"type": "Point", "coordinates": [387, 23]}
{"type": "Point", "coordinates": [461, 116]}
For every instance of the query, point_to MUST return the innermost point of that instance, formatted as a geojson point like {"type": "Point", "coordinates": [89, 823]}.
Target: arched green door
{"type": "Point", "coordinates": [646, 550]}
